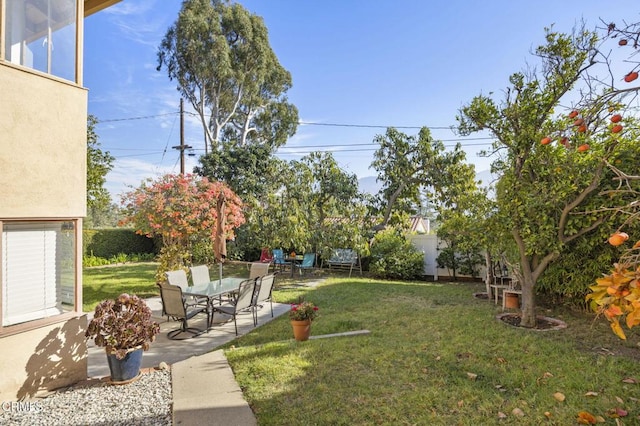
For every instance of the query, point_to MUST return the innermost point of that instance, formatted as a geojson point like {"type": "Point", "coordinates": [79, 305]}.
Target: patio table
{"type": "Point", "coordinates": [214, 289]}
{"type": "Point", "coordinates": [295, 261]}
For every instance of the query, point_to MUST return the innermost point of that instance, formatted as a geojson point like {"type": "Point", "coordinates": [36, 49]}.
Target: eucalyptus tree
{"type": "Point", "coordinates": [220, 57]}
{"type": "Point", "coordinates": [548, 195]}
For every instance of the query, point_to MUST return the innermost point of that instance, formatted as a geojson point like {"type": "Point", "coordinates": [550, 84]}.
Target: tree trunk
{"type": "Point", "coordinates": [488, 279]}
{"type": "Point", "coordinates": [528, 301]}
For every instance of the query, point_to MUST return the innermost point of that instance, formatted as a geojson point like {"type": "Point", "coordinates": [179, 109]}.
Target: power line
{"type": "Point", "coordinates": [302, 123]}
{"type": "Point", "coordinates": [142, 117]}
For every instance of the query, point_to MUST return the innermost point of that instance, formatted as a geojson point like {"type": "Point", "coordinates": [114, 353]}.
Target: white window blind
{"type": "Point", "coordinates": [30, 273]}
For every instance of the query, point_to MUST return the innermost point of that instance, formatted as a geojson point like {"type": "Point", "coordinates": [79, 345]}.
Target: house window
{"type": "Point", "coordinates": [38, 270]}
{"type": "Point", "coordinates": [41, 34]}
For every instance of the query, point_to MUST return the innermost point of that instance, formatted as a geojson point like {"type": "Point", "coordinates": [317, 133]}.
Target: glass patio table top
{"type": "Point", "coordinates": [214, 288]}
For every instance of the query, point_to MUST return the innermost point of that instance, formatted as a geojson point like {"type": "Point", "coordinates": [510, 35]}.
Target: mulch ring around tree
{"type": "Point", "coordinates": [542, 323]}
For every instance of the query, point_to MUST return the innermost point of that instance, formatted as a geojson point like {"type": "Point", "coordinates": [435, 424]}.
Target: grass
{"type": "Point", "coordinates": [435, 355]}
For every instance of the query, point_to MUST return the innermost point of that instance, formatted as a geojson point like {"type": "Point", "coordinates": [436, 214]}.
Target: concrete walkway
{"type": "Point", "coordinates": [204, 389]}
{"type": "Point", "coordinates": [203, 385]}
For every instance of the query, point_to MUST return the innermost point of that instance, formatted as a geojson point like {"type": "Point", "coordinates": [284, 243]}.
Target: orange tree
{"type": "Point", "coordinates": [617, 295]}
{"type": "Point", "coordinates": [555, 185]}
{"type": "Point", "coordinates": [181, 210]}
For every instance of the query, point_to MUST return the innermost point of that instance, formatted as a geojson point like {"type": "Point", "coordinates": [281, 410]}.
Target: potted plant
{"type": "Point", "coordinates": [124, 328]}
{"type": "Point", "coordinates": [301, 316]}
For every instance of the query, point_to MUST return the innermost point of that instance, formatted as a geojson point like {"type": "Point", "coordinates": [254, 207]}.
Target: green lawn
{"type": "Point", "coordinates": [435, 356]}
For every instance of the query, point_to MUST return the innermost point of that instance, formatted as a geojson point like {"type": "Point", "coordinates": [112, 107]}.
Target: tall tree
{"type": "Point", "coordinates": [334, 208]}
{"type": "Point", "coordinates": [405, 166]}
{"type": "Point", "coordinates": [99, 163]}
{"type": "Point", "coordinates": [547, 194]}
{"type": "Point", "coordinates": [219, 55]}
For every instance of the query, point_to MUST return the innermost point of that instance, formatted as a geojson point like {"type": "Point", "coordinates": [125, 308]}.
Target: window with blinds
{"type": "Point", "coordinates": [38, 270]}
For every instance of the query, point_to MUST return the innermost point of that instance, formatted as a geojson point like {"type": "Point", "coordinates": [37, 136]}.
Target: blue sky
{"type": "Point", "coordinates": [407, 63]}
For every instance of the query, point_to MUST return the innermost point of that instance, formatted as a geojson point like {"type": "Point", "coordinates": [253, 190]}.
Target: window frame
{"type": "Point", "coordinates": [79, 48]}
{"type": "Point", "coordinates": [77, 309]}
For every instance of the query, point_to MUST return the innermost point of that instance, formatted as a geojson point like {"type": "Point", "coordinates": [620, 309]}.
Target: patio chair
{"type": "Point", "coordinates": [264, 288]}
{"type": "Point", "coordinates": [278, 259]}
{"type": "Point", "coordinates": [243, 302]}
{"type": "Point", "coordinates": [265, 256]}
{"type": "Point", "coordinates": [179, 278]}
{"type": "Point", "coordinates": [174, 306]}
{"type": "Point", "coordinates": [200, 275]}
{"type": "Point", "coordinates": [308, 262]}
{"type": "Point", "coordinates": [258, 269]}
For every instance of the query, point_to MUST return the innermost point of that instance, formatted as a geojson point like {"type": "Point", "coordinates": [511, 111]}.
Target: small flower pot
{"type": "Point", "coordinates": [511, 301]}
{"type": "Point", "coordinates": [301, 330]}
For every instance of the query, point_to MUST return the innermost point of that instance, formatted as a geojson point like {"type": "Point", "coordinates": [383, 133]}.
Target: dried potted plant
{"type": "Point", "coordinates": [301, 316]}
{"type": "Point", "coordinates": [124, 328]}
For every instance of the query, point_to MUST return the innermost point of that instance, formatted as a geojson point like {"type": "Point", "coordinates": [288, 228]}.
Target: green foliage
{"type": "Point", "coordinates": [406, 165]}
{"type": "Point", "coordinates": [549, 196]}
{"type": "Point", "coordinates": [106, 243]}
{"type": "Point", "coordinates": [393, 256]}
{"type": "Point", "coordinates": [465, 263]}
{"type": "Point", "coordinates": [99, 163]}
{"type": "Point", "coordinates": [89, 260]}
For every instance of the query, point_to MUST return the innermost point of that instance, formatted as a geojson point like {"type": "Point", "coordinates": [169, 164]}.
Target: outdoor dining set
{"type": "Point", "coordinates": [232, 296]}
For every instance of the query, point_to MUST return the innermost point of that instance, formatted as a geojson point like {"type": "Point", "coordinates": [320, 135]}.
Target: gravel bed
{"type": "Point", "coordinates": [147, 401]}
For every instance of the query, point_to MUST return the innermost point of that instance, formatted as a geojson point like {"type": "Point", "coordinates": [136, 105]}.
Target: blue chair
{"type": "Point", "coordinates": [308, 262]}
{"type": "Point", "coordinates": [278, 259]}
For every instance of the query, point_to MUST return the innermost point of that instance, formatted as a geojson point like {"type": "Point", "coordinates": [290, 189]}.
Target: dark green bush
{"type": "Point", "coordinates": [393, 256]}
{"type": "Point", "coordinates": [107, 243]}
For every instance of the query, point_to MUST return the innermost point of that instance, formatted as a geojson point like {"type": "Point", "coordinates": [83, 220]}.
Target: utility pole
{"type": "Point", "coordinates": [182, 147]}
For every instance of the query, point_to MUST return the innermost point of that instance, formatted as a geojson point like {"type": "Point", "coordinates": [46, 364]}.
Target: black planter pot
{"type": "Point", "coordinates": [126, 369]}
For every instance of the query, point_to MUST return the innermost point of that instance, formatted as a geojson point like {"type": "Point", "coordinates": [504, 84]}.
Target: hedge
{"type": "Point", "coordinates": [111, 242]}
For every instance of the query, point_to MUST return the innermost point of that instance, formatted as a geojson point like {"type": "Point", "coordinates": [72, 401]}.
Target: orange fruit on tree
{"type": "Point", "coordinates": [583, 147]}
{"type": "Point", "coordinates": [617, 128]}
{"type": "Point", "coordinates": [582, 128]}
{"type": "Point", "coordinates": [573, 114]}
{"type": "Point", "coordinates": [618, 238]}
{"type": "Point", "coordinates": [616, 118]}
{"type": "Point", "coordinates": [546, 141]}
{"type": "Point", "coordinates": [623, 42]}
{"type": "Point", "coordinates": [564, 141]}
{"type": "Point", "coordinates": [631, 76]}
{"type": "Point", "coordinates": [578, 122]}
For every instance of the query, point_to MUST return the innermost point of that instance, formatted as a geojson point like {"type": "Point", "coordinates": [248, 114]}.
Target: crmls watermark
{"type": "Point", "coordinates": [21, 406]}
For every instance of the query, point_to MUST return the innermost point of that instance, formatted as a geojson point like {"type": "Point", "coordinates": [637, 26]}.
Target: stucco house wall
{"type": "Point", "coordinates": [43, 149]}
{"type": "Point", "coordinates": [43, 144]}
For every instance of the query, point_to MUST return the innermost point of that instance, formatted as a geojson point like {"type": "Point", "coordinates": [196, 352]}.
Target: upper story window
{"type": "Point", "coordinates": [41, 34]}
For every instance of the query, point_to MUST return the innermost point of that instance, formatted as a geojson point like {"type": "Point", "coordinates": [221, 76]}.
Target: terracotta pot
{"type": "Point", "coordinates": [511, 301]}
{"type": "Point", "coordinates": [301, 330]}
